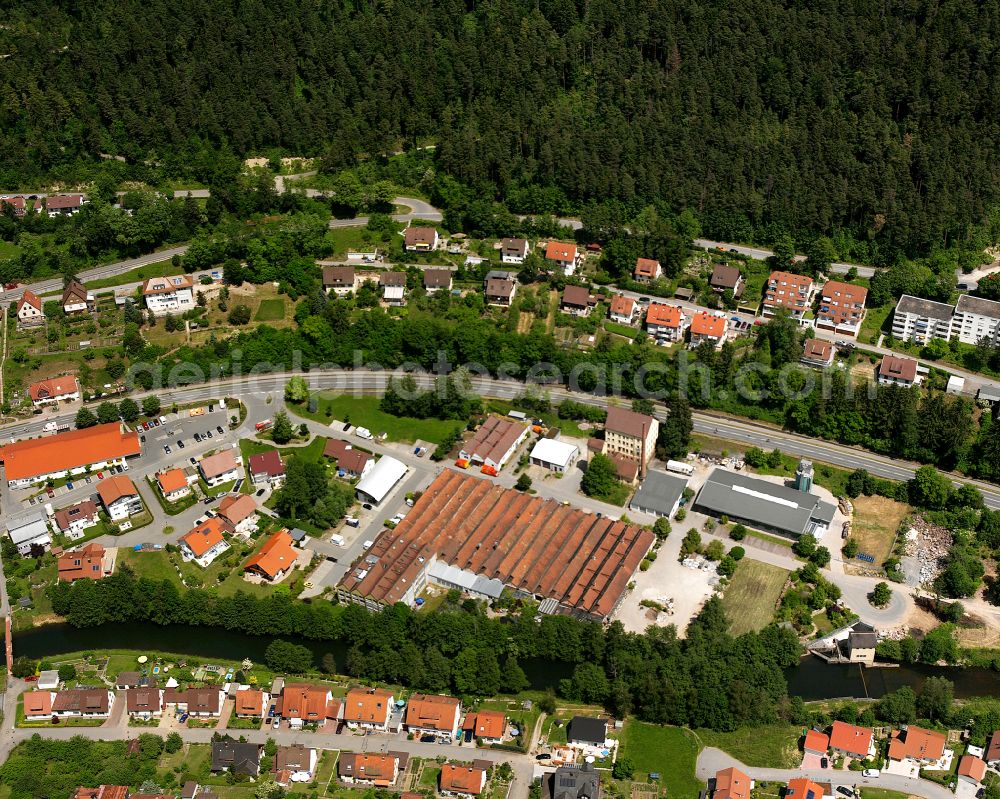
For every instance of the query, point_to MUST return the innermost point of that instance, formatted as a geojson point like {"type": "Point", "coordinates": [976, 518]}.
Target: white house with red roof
{"type": "Point", "coordinates": [29, 310]}
{"type": "Point", "coordinates": [54, 390]}
{"type": "Point", "coordinates": [567, 257]}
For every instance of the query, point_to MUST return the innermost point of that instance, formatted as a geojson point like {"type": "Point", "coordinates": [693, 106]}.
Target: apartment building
{"type": "Point", "coordinates": [788, 291]}
{"type": "Point", "coordinates": [666, 323]}
{"type": "Point", "coordinates": [975, 318]}
{"type": "Point", "coordinates": [920, 320]}
{"type": "Point", "coordinates": [841, 307]}
{"type": "Point", "coordinates": [631, 434]}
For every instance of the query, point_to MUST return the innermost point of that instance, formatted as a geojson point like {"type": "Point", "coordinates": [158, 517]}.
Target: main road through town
{"type": "Point", "coordinates": [362, 382]}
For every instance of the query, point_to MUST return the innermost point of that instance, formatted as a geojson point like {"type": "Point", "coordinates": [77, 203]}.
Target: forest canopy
{"type": "Point", "coordinates": [874, 123]}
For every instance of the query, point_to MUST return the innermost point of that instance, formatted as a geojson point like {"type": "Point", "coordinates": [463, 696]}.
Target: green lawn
{"type": "Point", "coordinates": [429, 777]}
{"type": "Point", "coordinates": [882, 793]}
{"type": "Point", "coordinates": [9, 250]}
{"type": "Point", "coordinates": [313, 451]}
{"type": "Point", "coordinates": [874, 323]}
{"type": "Point", "coordinates": [671, 751]}
{"type": "Point", "coordinates": [272, 310]}
{"type": "Point", "coordinates": [752, 595]}
{"type": "Point", "coordinates": [158, 269]}
{"type": "Point", "coordinates": [776, 746]}
{"type": "Point", "coordinates": [365, 412]}
{"type": "Point", "coordinates": [154, 565]}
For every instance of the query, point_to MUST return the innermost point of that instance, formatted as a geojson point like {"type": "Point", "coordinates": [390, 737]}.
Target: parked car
{"type": "Point", "coordinates": [100, 475]}
{"type": "Point", "coordinates": [871, 772]}
{"type": "Point", "coordinates": [180, 443]}
{"type": "Point", "coordinates": [367, 545]}
{"type": "Point", "coordinates": [69, 486]}
{"type": "Point", "coordinates": [193, 461]}
{"type": "Point", "coordinates": [197, 437]}
{"type": "Point", "coordinates": [368, 506]}
{"type": "Point", "coordinates": [166, 448]}
{"type": "Point", "coordinates": [219, 430]}
{"type": "Point", "coordinates": [427, 739]}
{"type": "Point", "coordinates": [142, 439]}
{"type": "Point", "coordinates": [543, 756]}
{"type": "Point", "coordinates": [208, 433]}
{"type": "Point", "coordinates": [87, 480]}
{"type": "Point", "coordinates": [260, 493]}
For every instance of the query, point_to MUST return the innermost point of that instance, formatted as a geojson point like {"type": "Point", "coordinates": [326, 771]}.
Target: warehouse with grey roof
{"type": "Point", "coordinates": [764, 505]}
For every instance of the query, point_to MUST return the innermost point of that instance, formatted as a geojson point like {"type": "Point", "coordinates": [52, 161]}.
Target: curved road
{"type": "Point", "coordinates": [712, 760]}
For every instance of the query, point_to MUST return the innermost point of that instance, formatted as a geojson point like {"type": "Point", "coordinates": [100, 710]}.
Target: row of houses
{"type": "Point", "coordinates": [76, 299]}
{"type": "Point", "coordinates": [53, 205]}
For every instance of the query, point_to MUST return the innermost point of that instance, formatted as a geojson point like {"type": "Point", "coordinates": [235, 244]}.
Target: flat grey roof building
{"type": "Point", "coordinates": [969, 304]}
{"type": "Point", "coordinates": [659, 493]}
{"type": "Point", "coordinates": [921, 307]}
{"type": "Point", "coordinates": [763, 504]}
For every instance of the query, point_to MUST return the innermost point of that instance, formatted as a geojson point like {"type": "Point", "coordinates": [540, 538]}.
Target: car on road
{"type": "Point", "coordinates": [142, 439]}
{"type": "Point", "coordinates": [824, 762]}
{"type": "Point", "coordinates": [331, 558]}
{"type": "Point", "coordinates": [644, 299]}
{"type": "Point", "coordinates": [208, 500]}
{"type": "Point", "coordinates": [870, 772]}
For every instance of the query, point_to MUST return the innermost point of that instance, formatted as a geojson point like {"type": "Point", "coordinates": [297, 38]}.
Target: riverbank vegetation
{"type": "Point", "coordinates": [655, 676]}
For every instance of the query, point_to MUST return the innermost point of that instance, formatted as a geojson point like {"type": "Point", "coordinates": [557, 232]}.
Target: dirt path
{"type": "Point", "coordinates": [550, 318]}
{"type": "Point", "coordinates": [3, 354]}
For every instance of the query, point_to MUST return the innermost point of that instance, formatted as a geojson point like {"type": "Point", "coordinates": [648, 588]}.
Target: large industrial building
{"type": "Point", "coordinates": [765, 505]}
{"type": "Point", "coordinates": [469, 533]}
{"type": "Point", "coordinates": [36, 460]}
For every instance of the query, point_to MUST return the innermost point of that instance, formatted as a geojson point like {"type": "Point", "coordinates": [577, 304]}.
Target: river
{"type": "Point", "coordinates": [812, 679]}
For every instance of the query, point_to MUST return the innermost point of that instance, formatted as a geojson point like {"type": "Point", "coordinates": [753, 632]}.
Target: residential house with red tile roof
{"type": "Point", "coordinates": [841, 307]}
{"type": "Point", "coordinates": [222, 467]}
{"type": "Point", "coordinates": [434, 715]}
{"type": "Point", "coordinates": [241, 513]}
{"type": "Point", "coordinates": [54, 390]}
{"type": "Point", "coordinates": [120, 497]}
{"type": "Point", "coordinates": [917, 744]}
{"type": "Point", "coordinates": [307, 704]}
{"type": "Point", "coordinates": [368, 769]}
{"type": "Point", "coordinates": [623, 309]}
{"type": "Point", "coordinates": [38, 705]}
{"type": "Point", "coordinates": [84, 563]}
{"type": "Point", "coordinates": [173, 484]}
{"type": "Point", "coordinates": [436, 280]}
{"type": "Point", "coordinates": [802, 788]}
{"type": "Point", "coordinates": [992, 755]}
{"type": "Point", "coordinates": [459, 780]}
{"type": "Point", "coordinates": [500, 291]}
{"type": "Point", "coordinates": [487, 726]}
{"type": "Point", "coordinates": [251, 703]}
{"type": "Point", "coordinates": [566, 257]}
{"type": "Point", "coordinates": [352, 462]}
{"type": "Point", "coordinates": [666, 323]}
{"type": "Point", "coordinates": [368, 708]}
{"type": "Point", "coordinates": [17, 206]}
{"type": "Point", "coordinates": [103, 792]}
{"type": "Point", "coordinates": [174, 294]}
{"type": "Point", "coordinates": [36, 460]}
{"type": "Point", "coordinates": [63, 204]}
{"type": "Point", "coordinates": [646, 269]}
{"type": "Point", "coordinates": [29, 310]}
{"type": "Point", "coordinates": [790, 292]}
{"type": "Point", "coordinates": [205, 542]}
{"type": "Point", "coordinates": [731, 783]}
{"type": "Point", "coordinates": [851, 740]}
{"type": "Point", "coordinates": [274, 560]}
{"type": "Point", "coordinates": [707, 327]}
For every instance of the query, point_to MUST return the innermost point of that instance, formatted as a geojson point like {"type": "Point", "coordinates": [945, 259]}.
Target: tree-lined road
{"type": "Point", "coordinates": [374, 382]}
{"type": "Point", "coordinates": [761, 254]}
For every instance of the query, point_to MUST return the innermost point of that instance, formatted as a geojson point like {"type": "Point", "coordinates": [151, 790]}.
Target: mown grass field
{"type": "Point", "coordinates": [776, 746]}
{"type": "Point", "coordinates": [364, 412]}
{"type": "Point", "coordinates": [670, 751]}
{"type": "Point", "coordinates": [752, 595]}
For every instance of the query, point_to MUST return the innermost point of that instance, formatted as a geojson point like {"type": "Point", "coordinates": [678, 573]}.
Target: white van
{"type": "Point", "coordinates": [337, 539]}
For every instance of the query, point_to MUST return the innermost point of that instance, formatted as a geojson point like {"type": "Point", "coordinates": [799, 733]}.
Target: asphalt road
{"type": "Point", "coordinates": [760, 254]}
{"type": "Point", "coordinates": [711, 760]}
{"type": "Point", "coordinates": [367, 382]}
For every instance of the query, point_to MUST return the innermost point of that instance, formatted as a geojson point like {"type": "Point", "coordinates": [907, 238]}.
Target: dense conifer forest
{"type": "Point", "coordinates": [878, 122]}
